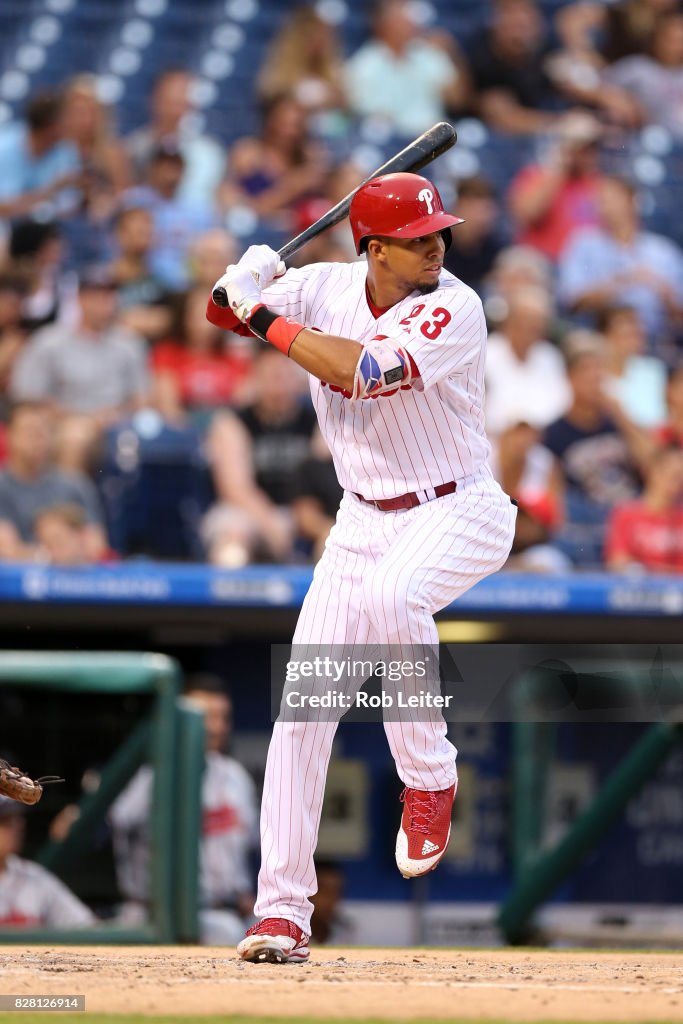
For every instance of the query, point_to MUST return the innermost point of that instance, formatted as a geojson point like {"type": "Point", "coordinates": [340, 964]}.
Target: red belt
{"type": "Point", "coordinates": [411, 500]}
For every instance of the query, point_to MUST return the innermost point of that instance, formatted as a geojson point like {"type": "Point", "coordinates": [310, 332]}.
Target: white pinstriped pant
{"type": "Point", "coordinates": [381, 578]}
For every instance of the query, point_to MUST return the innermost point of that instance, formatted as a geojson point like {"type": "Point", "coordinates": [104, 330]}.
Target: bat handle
{"type": "Point", "coordinates": [220, 297]}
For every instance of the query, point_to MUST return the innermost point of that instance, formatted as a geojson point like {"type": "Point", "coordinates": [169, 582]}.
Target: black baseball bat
{"type": "Point", "coordinates": [416, 155]}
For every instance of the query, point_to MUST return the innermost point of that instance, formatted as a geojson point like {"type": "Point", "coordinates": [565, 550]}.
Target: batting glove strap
{"type": "Point", "coordinates": [279, 331]}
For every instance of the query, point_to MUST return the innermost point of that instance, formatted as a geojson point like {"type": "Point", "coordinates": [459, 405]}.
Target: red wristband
{"type": "Point", "coordinates": [279, 331]}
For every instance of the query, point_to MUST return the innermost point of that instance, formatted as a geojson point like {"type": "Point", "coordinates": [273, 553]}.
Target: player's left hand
{"type": "Point", "coordinates": [264, 263]}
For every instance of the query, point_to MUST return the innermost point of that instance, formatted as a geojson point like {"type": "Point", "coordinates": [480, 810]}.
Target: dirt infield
{"type": "Point", "coordinates": [344, 984]}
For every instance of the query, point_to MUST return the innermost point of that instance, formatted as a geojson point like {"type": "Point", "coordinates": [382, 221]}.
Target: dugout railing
{"type": "Point", "coordinates": [539, 871]}
{"type": "Point", "coordinates": [171, 739]}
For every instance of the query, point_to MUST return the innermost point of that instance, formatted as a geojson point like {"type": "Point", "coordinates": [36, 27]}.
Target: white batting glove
{"type": "Point", "coordinates": [264, 263]}
{"type": "Point", "coordinates": [243, 291]}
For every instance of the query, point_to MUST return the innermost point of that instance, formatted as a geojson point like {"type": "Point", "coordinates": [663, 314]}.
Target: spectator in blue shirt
{"type": "Point", "coordinates": [177, 221]}
{"type": "Point", "coordinates": [618, 262]}
{"type": "Point", "coordinates": [39, 171]}
{"type": "Point", "coordinates": [400, 76]}
{"type": "Point", "coordinates": [172, 106]}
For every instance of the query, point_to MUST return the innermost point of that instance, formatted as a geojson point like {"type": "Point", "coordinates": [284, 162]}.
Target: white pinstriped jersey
{"type": "Point", "coordinates": [31, 896]}
{"type": "Point", "coordinates": [411, 439]}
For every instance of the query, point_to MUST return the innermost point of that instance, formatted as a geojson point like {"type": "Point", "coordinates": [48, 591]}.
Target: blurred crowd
{"type": "Point", "coordinates": [130, 426]}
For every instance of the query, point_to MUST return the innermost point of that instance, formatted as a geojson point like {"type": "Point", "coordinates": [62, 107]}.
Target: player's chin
{"type": "Point", "coordinates": [427, 285]}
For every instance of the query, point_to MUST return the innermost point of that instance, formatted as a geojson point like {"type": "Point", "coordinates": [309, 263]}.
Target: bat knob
{"type": "Point", "coordinates": [220, 297]}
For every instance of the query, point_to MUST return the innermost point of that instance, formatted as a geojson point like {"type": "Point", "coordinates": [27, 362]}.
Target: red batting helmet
{"type": "Point", "coordinates": [399, 206]}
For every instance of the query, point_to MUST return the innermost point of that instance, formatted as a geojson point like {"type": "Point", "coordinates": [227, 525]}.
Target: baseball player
{"type": "Point", "coordinates": [395, 349]}
{"type": "Point", "coordinates": [229, 822]}
{"type": "Point", "coordinates": [31, 896]}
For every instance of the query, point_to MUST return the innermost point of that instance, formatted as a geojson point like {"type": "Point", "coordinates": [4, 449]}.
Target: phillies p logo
{"type": "Point", "coordinates": [426, 196]}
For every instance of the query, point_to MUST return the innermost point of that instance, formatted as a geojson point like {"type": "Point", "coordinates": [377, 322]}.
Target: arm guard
{"type": "Point", "coordinates": [384, 367]}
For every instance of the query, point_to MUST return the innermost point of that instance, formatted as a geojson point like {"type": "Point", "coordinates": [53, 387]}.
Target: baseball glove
{"type": "Point", "coordinates": [19, 786]}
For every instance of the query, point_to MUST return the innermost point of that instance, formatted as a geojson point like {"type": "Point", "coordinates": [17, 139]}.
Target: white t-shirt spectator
{"type": "Point", "coordinates": [407, 90]}
{"type": "Point", "coordinates": [534, 390]}
{"type": "Point", "coordinates": [641, 390]}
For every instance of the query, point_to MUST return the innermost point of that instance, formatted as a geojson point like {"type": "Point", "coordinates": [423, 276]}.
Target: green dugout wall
{"type": "Point", "coordinates": [171, 739]}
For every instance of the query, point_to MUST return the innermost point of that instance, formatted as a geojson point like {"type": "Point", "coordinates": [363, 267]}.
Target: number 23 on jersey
{"type": "Point", "coordinates": [432, 328]}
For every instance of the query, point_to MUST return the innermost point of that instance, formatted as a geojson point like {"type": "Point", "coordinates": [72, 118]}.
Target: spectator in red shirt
{"type": "Point", "coordinates": [648, 533]}
{"type": "Point", "coordinates": [551, 200]}
{"type": "Point", "coordinates": [197, 371]}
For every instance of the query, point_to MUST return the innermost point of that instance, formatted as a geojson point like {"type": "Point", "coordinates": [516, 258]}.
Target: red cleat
{"type": "Point", "coordinates": [425, 830]}
{"type": "Point", "coordinates": [274, 941]}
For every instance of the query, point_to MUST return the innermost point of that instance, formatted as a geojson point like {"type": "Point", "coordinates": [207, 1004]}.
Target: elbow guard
{"type": "Point", "coordinates": [383, 368]}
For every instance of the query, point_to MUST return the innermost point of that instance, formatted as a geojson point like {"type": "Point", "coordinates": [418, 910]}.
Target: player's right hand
{"type": "Point", "coordinates": [264, 263]}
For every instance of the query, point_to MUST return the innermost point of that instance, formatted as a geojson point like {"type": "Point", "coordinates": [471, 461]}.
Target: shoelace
{"type": "Point", "coordinates": [265, 927]}
{"type": "Point", "coordinates": [422, 809]}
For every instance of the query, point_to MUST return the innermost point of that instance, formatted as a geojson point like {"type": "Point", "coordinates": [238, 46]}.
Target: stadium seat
{"type": "Point", "coordinates": [154, 487]}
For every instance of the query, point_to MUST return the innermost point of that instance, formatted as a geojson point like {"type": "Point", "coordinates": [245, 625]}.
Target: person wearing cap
{"type": "Point", "coordinates": [177, 220]}
{"type": "Point", "coordinates": [92, 375]}
{"type": "Point", "coordinates": [31, 896]}
{"type": "Point", "coordinates": [550, 200]}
